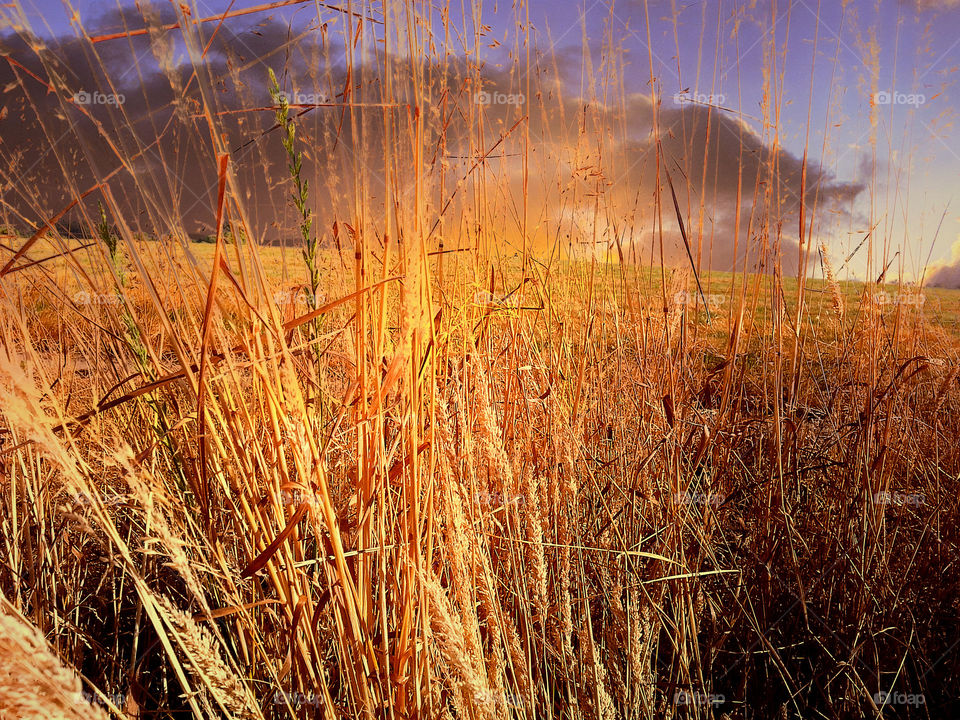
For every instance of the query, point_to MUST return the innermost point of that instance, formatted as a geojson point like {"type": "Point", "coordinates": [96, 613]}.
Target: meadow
{"type": "Point", "coordinates": [416, 464]}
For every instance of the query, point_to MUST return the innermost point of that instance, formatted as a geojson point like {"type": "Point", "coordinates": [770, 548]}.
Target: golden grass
{"type": "Point", "coordinates": [469, 485]}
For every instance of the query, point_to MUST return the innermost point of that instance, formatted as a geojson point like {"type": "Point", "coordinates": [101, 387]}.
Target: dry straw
{"type": "Point", "coordinates": [33, 681]}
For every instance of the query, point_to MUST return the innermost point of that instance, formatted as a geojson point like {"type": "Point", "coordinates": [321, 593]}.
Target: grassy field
{"type": "Point", "coordinates": [424, 464]}
{"type": "Point", "coordinates": [617, 505]}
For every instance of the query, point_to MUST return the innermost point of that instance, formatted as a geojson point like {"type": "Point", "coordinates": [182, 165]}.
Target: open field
{"type": "Point", "coordinates": [474, 444]}
{"type": "Point", "coordinates": [669, 504]}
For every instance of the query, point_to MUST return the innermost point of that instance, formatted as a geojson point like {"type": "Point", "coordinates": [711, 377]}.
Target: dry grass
{"type": "Point", "coordinates": [473, 484]}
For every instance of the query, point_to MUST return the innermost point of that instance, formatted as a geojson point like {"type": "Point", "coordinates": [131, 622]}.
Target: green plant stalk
{"type": "Point", "coordinates": [300, 201]}
{"type": "Point", "coordinates": [300, 192]}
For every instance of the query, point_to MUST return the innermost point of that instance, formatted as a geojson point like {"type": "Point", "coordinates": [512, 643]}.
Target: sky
{"type": "Point", "coordinates": [866, 88]}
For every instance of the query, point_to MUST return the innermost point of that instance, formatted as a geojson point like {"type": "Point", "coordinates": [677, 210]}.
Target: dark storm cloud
{"type": "Point", "coordinates": [140, 106]}
{"type": "Point", "coordinates": [707, 153]}
{"type": "Point", "coordinates": [711, 153]}
{"type": "Point", "coordinates": [51, 151]}
{"type": "Point", "coordinates": [72, 113]}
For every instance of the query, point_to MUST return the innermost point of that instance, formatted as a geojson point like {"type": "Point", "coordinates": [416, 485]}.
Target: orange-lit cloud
{"type": "Point", "coordinates": [946, 274]}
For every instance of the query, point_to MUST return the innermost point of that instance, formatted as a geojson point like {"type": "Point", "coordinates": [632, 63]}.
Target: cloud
{"type": "Point", "coordinates": [925, 5]}
{"type": "Point", "coordinates": [707, 154]}
{"type": "Point", "coordinates": [158, 143]}
{"type": "Point", "coordinates": [946, 274]}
